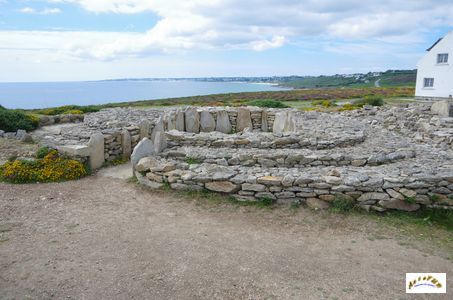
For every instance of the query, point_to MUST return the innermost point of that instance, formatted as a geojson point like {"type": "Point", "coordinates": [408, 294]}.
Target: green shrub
{"type": "Point", "coordinates": [324, 103]}
{"type": "Point", "coordinates": [67, 109]}
{"type": "Point", "coordinates": [268, 104]}
{"type": "Point", "coordinates": [342, 204]}
{"type": "Point", "coordinates": [370, 100]}
{"type": "Point", "coordinates": [12, 120]}
{"type": "Point", "coordinates": [51, 168]}
{"type": "Point", "coordinates": [42, 152]}
{"type": "Point", "coordinates": [73, 112]}
{"type": "Point", "coordinates": [192, 160]}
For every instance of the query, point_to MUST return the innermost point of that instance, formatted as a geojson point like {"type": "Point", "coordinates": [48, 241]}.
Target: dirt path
{"type": "Point", "coordinates": [104, 238]}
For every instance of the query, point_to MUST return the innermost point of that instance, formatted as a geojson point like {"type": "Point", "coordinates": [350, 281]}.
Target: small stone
{"type": "Point", "coordinates": [253, 187]}
{"type": "Point", "coordinates": [270, 180]}
{"type": "Point", "coordinates": [407, 193]}
{"type": "Point", "coordinates": [399, 205]}
{"type": "Point", "coordinates": [316, 203]}
{"type": "Point", "coordinates": [394, 194]}
{"type": "Point", "coordinates": [222, 186]}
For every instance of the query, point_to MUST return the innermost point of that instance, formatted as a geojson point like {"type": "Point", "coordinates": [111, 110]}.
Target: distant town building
{"type": "Point", "coordinates": [435, 71]}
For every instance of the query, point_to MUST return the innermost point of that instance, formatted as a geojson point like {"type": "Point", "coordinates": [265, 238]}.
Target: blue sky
{"type": "Point", "coordinates": [53, 40]}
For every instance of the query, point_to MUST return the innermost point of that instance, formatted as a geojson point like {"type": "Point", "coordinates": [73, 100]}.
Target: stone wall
{"type": "Point", "coordinates": [370, 191]}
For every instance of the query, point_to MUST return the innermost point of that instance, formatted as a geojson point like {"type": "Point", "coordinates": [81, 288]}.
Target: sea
{"type": "Point", "coordinates": [51, 94]}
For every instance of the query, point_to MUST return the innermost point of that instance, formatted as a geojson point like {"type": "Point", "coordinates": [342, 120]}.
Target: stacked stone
{"type": "Point", "coordinates": [256, 115]}
{"type": "Point", "coordinates": [112, 145]}
{"type": "Point", "coordinates": [270, 119]}
{"type": "Point", "coordinates": [135, 134]}
{"type": "Point", "coordinates": [315, 187]}
{"type": "Point", "coordinates": [284, 159]}
{"type": "Point", "coordinates": [233, 114]}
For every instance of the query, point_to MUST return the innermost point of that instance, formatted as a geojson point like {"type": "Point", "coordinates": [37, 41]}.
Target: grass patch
{"type": "Point", "coordinates": [342, 204]}
{"type": "Point", "coordinates": [268, 103]}
{"type": "Point", "coordinates": [192, 160]}
{"type": "Point", "coordinates": [67, 109]}
{"type": "Point", "coordinates": [373, 100]}
{"type": "Point", "coordinates": [116, 162]}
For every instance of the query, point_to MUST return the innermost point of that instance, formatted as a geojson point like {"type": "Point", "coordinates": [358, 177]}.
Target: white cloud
{"type": "Point", "coordinates": [45, 11]}
{"type": "Point", "coordinates": [262, 24]}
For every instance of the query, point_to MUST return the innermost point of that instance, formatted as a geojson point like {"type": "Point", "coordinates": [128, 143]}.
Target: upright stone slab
{"type": "Point", "coordinates": [171, 120]}
{"type": "Point", "coordinates": [180, 120]}
{"type": "Point", "coordinates": [442, 108]}
{"type": "Point", "coordinates": [126, 143]}
{"type": "Point", "coordinates": [96, 150]}
{"type": "Point", "coordinates": [264, 122]}
{"type": "Point", "coordinates": [192, 120]}
{"type": "Point", "coordinates": [223, 123]}
{"type": "Point", "coordinates": [158, 128]}
{"type": "Point", "coordinates": [143, 149]}
{"type": "Point", "coordinates": [160, 142]}
{"type": "Point", "coordinates": [279, 122]}
{"type": "Point", "coordinates": [244, 120]}
{"type": "Point", "coordinates": [145, 128]}
{"type": "Point", "coordinates": [284, 122]}
{"type": "Point", "coordinates": [207, 122]}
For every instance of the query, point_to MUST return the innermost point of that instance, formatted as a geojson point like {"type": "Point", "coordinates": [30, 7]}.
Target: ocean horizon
{"type": "Point", "coordinates": [31, 95]}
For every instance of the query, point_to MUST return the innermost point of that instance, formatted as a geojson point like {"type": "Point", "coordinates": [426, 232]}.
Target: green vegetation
{"type": "Point", "coordinates": [373, 100]}
{"type": "Point", "coordinates": [192, 160]}
{"type": "Point", "coordinates": [268, 103]}
{"type": "Point", "coordinates": [42, 152]}
{"type": "Point", "coordinates": [324, 103]}
{"type": "Point", "coordinates": [391, 78]}
{"type": "Point", "coordinates": [67, 109]}
{"type": "Point", "coordinates": [342, 204]}
{"type": "Point", "coordinates": [424, 217]}
{"type": "Point", "coordinates": [51, 168]}
{"type": "Point", "coordinates": [12, 120]}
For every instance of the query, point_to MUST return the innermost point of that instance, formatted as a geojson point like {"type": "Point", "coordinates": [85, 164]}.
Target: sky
{"type": "Point", "coordinates": [69, 40]}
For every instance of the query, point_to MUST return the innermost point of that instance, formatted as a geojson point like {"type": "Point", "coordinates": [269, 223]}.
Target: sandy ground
{"type": "Point", "coordinates": [106, 238]}
{"type": "Point", "coordinates": [12, 148]}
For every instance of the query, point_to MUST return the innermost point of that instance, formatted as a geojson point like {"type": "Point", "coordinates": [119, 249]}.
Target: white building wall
{"type": "Point", "coordinates": [428, 67]}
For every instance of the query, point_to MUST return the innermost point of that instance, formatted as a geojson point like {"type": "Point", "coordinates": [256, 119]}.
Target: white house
{"type": "Point", "coordinates": [435, 71]}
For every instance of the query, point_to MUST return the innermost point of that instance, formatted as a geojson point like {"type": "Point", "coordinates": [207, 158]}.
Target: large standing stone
{"type": "Point", "coordinates": [96, 150]}
{"type": "Point", "coordinates": [223, 122]}
{"type": "Point", "coordinates": [284, 122]}
{"type": "Point", "coordinates": [244, 120]}
{"type": "Point", "coordinates": [159, 127]}
{"type": "Point", "coordinates": [207, 122]}
{"type": "Point", "coordinates": [192, 120]}
{"type": "Point", "coordinates": [264, 121]}
{"type": "Point", "coordinates": [442, 108]}
{"type": "Point", "coordinates": [171, 120]}
{"type": "Point", "coordinates": [126, 143]}
{"type": "Point", "coordinates": [143, 149]}
{"type": "Point", "coordinates": [160, 141]}
{"type": "Point", "coordinates": [145, 128]}
{"type": "Point", "coordinates": [222, 186]}
{"type": "Point", "coordinates": [180, 120]}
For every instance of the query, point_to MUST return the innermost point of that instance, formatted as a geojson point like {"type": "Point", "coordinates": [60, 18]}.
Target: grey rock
{"type": "Point", "coordinates": [207, 122]}
{"type": "Point", "coordinates": [192, 120]}
{"type": "Point", "coordinates": [143, 149]}
{"type": "Point", "coordinates": [96, 150]}
{"type": "Point", "coordinates": [222, 186]}
{"type": "Point", "coordinates": [315, 203]}
{"type": "Point", "coordinates": [399, 205]}
{"type": "Point", "coordinates": [244, 120]}
{"type": "Point", "coordinates": [223, 122]}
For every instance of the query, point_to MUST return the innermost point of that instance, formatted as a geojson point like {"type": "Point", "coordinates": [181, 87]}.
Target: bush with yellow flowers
{"type": "Point", "coordinates": [53, 167]}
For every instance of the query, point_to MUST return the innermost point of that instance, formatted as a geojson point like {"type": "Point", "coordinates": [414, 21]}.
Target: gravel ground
{"type": "Point", "coordinates": [105, 238]}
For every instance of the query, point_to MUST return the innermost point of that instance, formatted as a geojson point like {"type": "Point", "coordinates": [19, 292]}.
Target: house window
{"type": "Point", "coordinates": [442, 58]}
{"type": "Point", "coordinates": [428, 82]}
